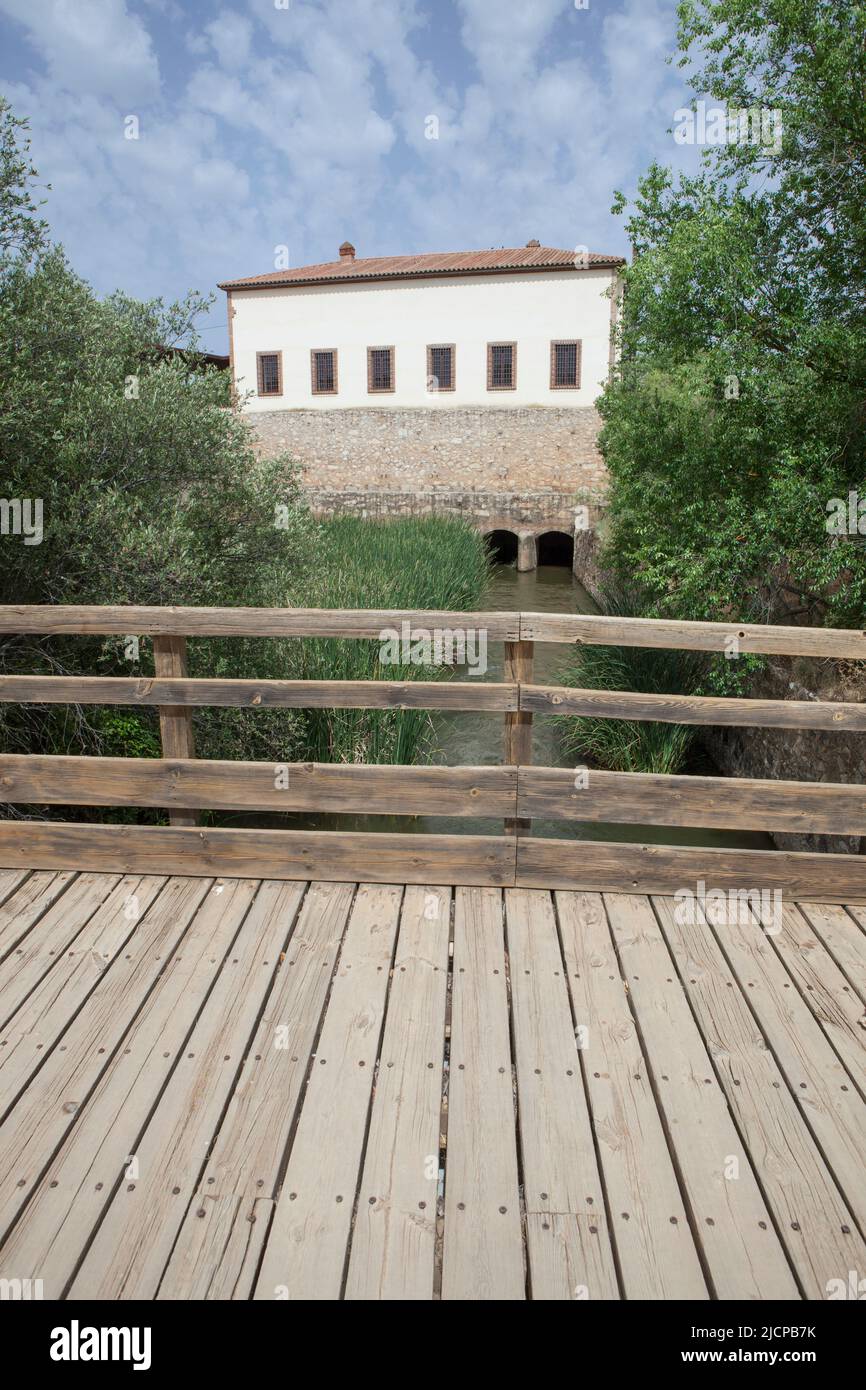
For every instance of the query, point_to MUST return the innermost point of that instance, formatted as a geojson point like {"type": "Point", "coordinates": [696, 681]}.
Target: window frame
{"type": "Point", "coordinates": [314, 386]}
{"type": "Point", "coordinates": [439, 347]}
{"type": "Point", "coordinates": [382, 390]}
{"type": "Point", "coordinates": [491, 386]}
{"type": "Point", "coordinates": [273, 352]}
{"type": "Point", "coordinates": [577, 344]}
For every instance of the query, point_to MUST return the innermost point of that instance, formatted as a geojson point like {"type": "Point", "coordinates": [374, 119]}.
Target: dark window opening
{"type": "Point", "coordinates": [556, 548]}
{"type": "Point", "coordinates": [501, 366]}
{"type": "Point", "coordinates": [380, 369]}
{"type": "Point", "coordinates": [502, 546]}
{"type": "Point", "coordinates": [269, 373]}
{"type": "Point", "coordinates": [440, 368]}
{"type": "Point", "coordinates": [324, 372]}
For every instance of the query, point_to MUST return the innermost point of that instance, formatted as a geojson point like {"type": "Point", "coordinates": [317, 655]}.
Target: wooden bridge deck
{"type": "Point", "coordinates": [243, 1088]}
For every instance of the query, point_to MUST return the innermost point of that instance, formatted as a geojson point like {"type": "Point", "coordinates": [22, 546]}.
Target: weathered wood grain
{"type": "Point", "coordinates": [135, 1238]}
{"type": "Point", "coordinates": [691, 709]}
{"type": "Point", "coordinates": [307, 1244]}
{"type": "Point", "coordinates": [35, 1028]}
{"type": "Point", "coordinates": [175, 721]}
{"type": "Point", "coordinates": [829, 1102]}
{"type": "Point", "coordinates": [64, 619]}
{"type": "Point", "coordinates": [393, 1243]}
{"type": "Point", "coordinates": [819, 808]}
{"type": "Point", "coordinates": [483, 1251]}
{"type": "Point", "coordinates": [742, 1253]}
{"type": "Point", "coordinates": [218, 785]}
{"type": "Point", "coordinates": [49, 1107]}
{"type": "Point", "coordinates": [217, 1251]}
{"type": "Point", "coordinates": [30, 901]}
{"type": "Point", "coordinates": [601, 866]}
{"type": "Point", "coordinates": [284, 854]}
{"type": "Point", "coordinates": [598, 630]}
{"type": "Point", "coordinates": [560, 1172]}
{"type": "Point", "coordinates": [657, 1256]}
{"type": "Point", "coordinates": [197, 691]}
{"type": "Point", "coordinates": [810, 1215]}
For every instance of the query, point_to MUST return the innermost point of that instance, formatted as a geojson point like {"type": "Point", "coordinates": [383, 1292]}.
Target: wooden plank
{"type": "Point", "coordinates": [517, 748]}
{"type": "Point", "coordinates": [135, 1238]}
{"type": "Point", "coordinates": [27, 904]}
{"type": "Point", "coordinates": [217, 1252]}
{"type": "Point", "coordinates": [218, 785]}
{"type": "Point", "coordinates": [842, 934]}
{"type": "Point", "coordinates": [49, 1107]}
{"type": "Point", "coordinates": [483, 1248]}
{"type": "Point", "coordinates": [309, 1236]}
{"type": "Point", "coordinates": [598, 630]}
{"type": "Point", "coordinates": [393, 1244]}
{"type": "Point", "coordinates": [828, 1100]}
{"type": "Point", "coordinates": [54, 938]}
{"type": "Point", "coordinates": [80, 1178]}
{"type": "Point", "coordinates": [40, 1022]}
{"type": "Point", "coordinates": [825, 988]}
{"type": "Point", "coordinates": [10, 881]}
{"type": "Point", "coordinates": [560, 1172]}
{"type": "Point", "coordinates": [175, 721]}
{"type": "Point", "coordinates": [819, 808]}
{"type": "Point", "coordinates": [657, 1256]}
{"type": "Point", "coordinates": [254, 694]}
{"type": "Point", "coordinates": [286, 854]}
{"type": "Point", "coordinates": [741, 1250]}
{"type": "Point", "coordinates": [813, 1221]}
{"type": "Point", "coordinates": [63, 619]}
{"type": "Point", "coordinates": [599, 866]}
{"type": "Point", "coordinates": [692, 709]}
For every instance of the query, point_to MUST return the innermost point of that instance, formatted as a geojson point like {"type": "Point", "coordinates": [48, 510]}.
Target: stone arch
{"type": "Point", "coordinates": [502, 545]}
{"type": "Point", "coordinates": [556, 548]}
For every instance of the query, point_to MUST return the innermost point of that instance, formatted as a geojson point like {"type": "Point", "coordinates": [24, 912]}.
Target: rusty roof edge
{"type": "Point", "coordinates": [601, 262]}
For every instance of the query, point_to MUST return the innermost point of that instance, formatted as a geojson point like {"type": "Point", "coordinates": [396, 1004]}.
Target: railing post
{"type": "Point", "coordinates": [175, 721]}
{"type": "Point", "coordinates": [518, 723]}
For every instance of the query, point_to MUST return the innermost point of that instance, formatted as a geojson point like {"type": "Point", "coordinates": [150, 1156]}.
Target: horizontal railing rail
{"type": "Point", "coordinates": [516, 792]}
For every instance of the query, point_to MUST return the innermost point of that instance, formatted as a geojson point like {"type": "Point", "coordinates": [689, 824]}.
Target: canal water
{"type": "Point", "coordinates": [476, 739]}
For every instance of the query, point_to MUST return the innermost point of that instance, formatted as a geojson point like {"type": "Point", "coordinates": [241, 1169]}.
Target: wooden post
{"type": "Point", "coordinates": [518, 724]}
{"type": "Point", "coordinates": [175, 721]}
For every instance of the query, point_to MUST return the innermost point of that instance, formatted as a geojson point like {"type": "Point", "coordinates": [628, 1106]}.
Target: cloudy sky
{"type": "Point", "coordinates": [298, 123]}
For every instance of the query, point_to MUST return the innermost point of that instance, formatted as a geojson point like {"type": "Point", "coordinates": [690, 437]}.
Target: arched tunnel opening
{"type": "Point", "coordinates": [556, 548]}
{"type": "Point", "coordinates": [502, 546]}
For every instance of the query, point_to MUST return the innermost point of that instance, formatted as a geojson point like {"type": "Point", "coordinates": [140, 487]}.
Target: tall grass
{"type": "Point", "coordinates": [630, 745]}
{"type": "Point", "coordinates": [414, 562]}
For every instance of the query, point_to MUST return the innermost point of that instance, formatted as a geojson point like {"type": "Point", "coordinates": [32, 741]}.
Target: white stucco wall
{"type": "Point", "coordinates": [530, 309]}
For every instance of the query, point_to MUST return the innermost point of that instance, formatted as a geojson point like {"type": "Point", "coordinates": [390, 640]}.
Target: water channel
{"type": "Point", "coordinates": [476, 739]}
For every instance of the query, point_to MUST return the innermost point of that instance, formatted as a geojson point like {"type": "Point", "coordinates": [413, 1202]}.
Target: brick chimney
{"type": "Point", "coordinates": [532, 243]}
{"type": "Point", "coordinates": [347, 251]}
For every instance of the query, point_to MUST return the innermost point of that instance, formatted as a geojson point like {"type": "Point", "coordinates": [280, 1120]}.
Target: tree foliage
{"type": "Point", "coordinates": [738, 408]}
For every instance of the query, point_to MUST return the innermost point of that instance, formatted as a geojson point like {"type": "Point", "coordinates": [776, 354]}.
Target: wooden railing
{"type": "Point", "coordinates": [515, 793]}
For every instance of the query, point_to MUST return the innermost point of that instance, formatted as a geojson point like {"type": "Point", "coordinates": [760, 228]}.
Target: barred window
{"type": "Point", "coordinates": [501, 366]}
{"type": "Point", "coordinates": [380, 369]}
{"type": "Point", "coordinates": [269, 372]}
{"type": "Point", "coordinates": [323, 363]}
{"type": "Point", "coordinates": [564, 364]}
{"type": "Point", "coordinates": [440, 367]}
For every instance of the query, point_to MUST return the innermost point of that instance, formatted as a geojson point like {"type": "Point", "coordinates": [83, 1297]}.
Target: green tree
{"type": "Point", "coordinates": [148, 488]}
{"type": "Point", "coordinates": [736, 413]}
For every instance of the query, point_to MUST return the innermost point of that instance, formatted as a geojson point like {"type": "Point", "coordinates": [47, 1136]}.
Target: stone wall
{"type": "Point", "coordinates": [485, 449]}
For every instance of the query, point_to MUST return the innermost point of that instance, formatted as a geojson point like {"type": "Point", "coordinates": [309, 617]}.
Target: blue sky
{"type": "Point", "coordinates": [298, 123]}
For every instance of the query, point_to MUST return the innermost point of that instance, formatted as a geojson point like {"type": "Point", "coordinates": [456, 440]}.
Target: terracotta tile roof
{"type": "Point", "coordinates": [437, 263]}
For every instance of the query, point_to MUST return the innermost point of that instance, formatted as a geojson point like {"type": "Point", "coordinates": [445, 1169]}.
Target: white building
{"type": "Point", "coordinates": [527, 327]}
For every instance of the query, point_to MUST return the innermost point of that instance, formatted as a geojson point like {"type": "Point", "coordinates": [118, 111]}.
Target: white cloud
{"type": "Point", "coordinates": [93, 46]}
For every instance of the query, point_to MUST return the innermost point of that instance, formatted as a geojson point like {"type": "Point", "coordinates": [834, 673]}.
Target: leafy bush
{"type": "Point", "coordinates": [630, 745]}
